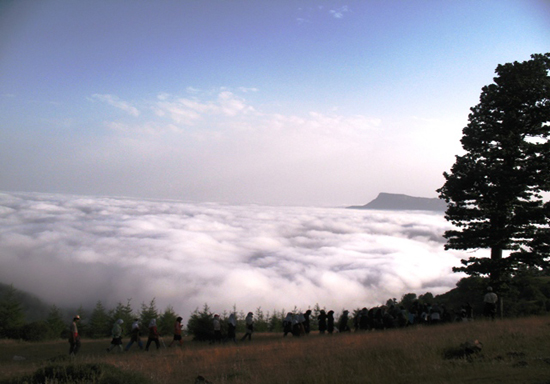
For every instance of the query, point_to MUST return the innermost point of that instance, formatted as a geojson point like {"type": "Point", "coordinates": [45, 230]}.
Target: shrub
{"type": "Point", "coordinates": [78, 373]}
{"type": "Point", "coordinates": [35, 331]}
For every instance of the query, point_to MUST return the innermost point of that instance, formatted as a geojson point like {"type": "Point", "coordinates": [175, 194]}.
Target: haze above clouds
{"type": "Point", "coordinates": [82, 249]}
{"type": "Point", "coordinates": [271, 102]}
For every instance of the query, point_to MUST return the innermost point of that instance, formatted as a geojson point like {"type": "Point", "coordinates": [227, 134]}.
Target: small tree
{"type": "Point", "coordinates": [100, 323]}
{"type": "Point", "coordinates": [123, 312]}
{"type": "Point", "coordinates": [391, 302]}
{"type": "Point", "coordinates": [427, 298]}
{"type": "Point", "coordinates": [200, 324]}
{"type": "Point", "coordinates": [54, 321]}
{"type": "Point", "coordinates": [494, 190]}
{"type": "Point", "coordinates": [260, 321]}
{"type": "Point", "coordinates": [12, 317]}
{"type": "Point", "coordinates": [407, 300]}
{"type": "Point", "coordinates": [167, 321]}
{"type": "Point", "coordinates": [148, 313]}
{"type": "Point", "coordinates": [315, 316]}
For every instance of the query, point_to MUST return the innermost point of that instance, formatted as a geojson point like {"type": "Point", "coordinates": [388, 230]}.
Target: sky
{"type": "Point", "coordinates": [73, 250]}
{"type": "Point", "coordinates": [284, 103]}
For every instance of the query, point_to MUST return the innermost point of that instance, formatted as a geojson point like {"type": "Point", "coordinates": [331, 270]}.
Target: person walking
{"type": "Point", "coordinates": [287, 324]}
{"type": "Point", "coordinates": [153, 335]}
{"type": "Point", "coordinates": [116, 332]}
{"type": "Point", "coordinates": [177, 332]}
{"type": "Point", "coordinates": [74, 337]}
{"type": "Point", "coordinates": [298, 325]}
{"type": "Point", "coordinates": [134, 336]}
{"type": "Point", "coordinates": [322, 318]}
{"type": "Point", "coordinates": [343, 323]}
{"type": "Point", "coordinates": [307, 326]}
{"type": "Point", "coordinates": [330, 321]}
{"type": "Point", "coordinates": [363, 319]}
{"type": "Point", "coordinates": [490, 299]}
{"type": "Point", "coordinates": [249, 326]}
{"type": "Point", "coordinates": [232, 328]}
{"type": "Point", "coordinates": [217, 329]}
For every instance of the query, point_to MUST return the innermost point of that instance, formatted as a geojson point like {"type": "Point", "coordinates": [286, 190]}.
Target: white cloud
{"type": "Point", "coordinates": [339, 12]}
{"type": "Point", "coordinates": [219, 146]}
{"type": "Point", "coordinates": [115, 101]}
{"type": "Point", "coordinates": [147, 127]}
{"type": "Point", "coordinates": [230, 105]}
{"type": "Point", "coordinates": [189, 111]}
{"type": "Point", "coordinates": [248, 89]}
{"type": "Point", "coordinates": [73, 250]}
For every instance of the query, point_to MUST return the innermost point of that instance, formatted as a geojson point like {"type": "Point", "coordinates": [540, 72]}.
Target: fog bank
{"type": "Point", "coordinates": [73, 250]}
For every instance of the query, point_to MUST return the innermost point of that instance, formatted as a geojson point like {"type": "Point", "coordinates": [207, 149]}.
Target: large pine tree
{"type": "Point", "coordinates": [495, 191]}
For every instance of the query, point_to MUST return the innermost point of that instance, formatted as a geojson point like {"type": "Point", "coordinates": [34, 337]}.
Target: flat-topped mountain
{"type": "Point", "coordinates": [398, 202]}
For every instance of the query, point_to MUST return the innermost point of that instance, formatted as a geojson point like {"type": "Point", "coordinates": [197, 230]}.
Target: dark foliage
{"type": "Point", "coordinates": [100, 322]}
{"type": "Point", "coordinates": [200, 324]}
{"type": "Point", "coordinates": [80, 373]}
{"type": "Point", "coordinates": [12, 317]}
{"type": "Point", "coordinates": [494, 191]}
{"type": "Point", "coordinates": [33, 308]}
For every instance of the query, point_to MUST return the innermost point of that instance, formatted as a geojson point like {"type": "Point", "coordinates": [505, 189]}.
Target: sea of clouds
{"type": "Point", "coordinates": [75, 250]}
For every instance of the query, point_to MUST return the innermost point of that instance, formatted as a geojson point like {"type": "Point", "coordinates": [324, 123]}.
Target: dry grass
{"type": "Point", "coordinates": [514, 351]}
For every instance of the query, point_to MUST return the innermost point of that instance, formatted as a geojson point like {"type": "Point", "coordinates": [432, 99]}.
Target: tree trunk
{"type": "Point", "coordinates": [496, 268]}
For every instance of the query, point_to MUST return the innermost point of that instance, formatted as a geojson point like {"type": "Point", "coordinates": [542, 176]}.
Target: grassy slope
{"type": "Point", "coordinates": [514, 351]}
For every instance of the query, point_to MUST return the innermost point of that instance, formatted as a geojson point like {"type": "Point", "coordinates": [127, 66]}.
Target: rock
{"type": "Point", "coordinates": [465, 350]}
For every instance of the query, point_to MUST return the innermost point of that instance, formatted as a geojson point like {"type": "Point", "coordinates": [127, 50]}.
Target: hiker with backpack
{"type": "Point", "coordinates": [134, 336]}
{"type": "Point", "coordinates": [177, 332]}
{"type": "Point", "coordinates": [153, 335]}
{"type": "Point", "coordinates": [116, 332]}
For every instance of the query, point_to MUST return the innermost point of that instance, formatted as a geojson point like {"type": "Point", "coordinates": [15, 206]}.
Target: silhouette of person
{"type": "Point", "coordinates": [134, 336]}
{"type": "Point", "coordinates": [177, 332]}
{"type": "Point", "coordinates": [490, 299]}
{"type": "Point", "coordinates": [74, 337]}
{"type": "Point", "coordinates": [343, 324]}
{"type": "Point", "coordinates": [249, 322]}
{"type": "Point", "coordinates": [330, 321]}
{"type": "Point", "coordinates": [322, 321]}
{"type": "Point", "coordinates": [231, 328]}
{"type": "Point", "coordinates": [116, 332]}
{"type": "Point", "coordinates": [306, 321]}
{"type": "Point", "coordinates": [153, 335]}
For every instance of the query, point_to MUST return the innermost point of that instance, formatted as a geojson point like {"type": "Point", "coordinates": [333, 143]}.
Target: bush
{"type": "Point", "coordinates": [79, 373]}
{"type": "Point", "coordinates": [35, 331]}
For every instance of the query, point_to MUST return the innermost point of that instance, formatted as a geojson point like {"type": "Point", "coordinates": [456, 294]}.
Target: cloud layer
{"type": "Point", "coordinates": [73, 250]}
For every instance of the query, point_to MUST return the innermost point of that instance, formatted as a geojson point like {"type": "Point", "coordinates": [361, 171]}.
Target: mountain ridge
{"type": "Point", "coordinates": [400, 202]}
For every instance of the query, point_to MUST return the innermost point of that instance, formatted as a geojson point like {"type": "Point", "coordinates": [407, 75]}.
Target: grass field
{"type": "Point", "coordinates": [514, 351]}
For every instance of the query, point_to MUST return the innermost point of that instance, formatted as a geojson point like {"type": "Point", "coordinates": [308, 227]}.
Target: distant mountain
{"type": "Point", "coordinates": [397, 202]}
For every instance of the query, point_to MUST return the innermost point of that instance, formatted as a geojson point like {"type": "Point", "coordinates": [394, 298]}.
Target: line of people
{"type": "Point", "coordinates": [135, 335]}
{"type": "Point", "coordinates": [298, 324]}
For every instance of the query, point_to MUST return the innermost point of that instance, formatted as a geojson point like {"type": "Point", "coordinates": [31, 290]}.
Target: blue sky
{"type": "Point", "coordinates": [271, 102]}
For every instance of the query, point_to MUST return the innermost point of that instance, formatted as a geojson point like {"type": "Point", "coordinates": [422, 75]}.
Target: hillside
{"type": "Point", "coordinates": [513, 351]}
{"type": "Point", "coordinates": [399, 202]}
{"type": "Point", "coordinates": [33, 307]}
